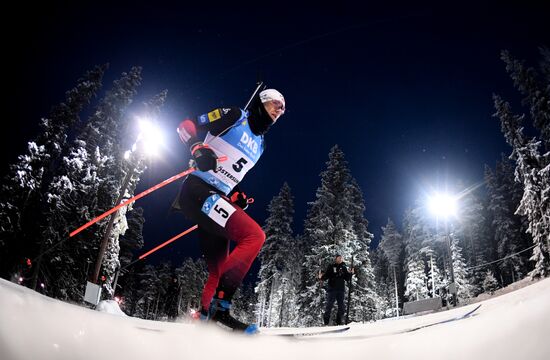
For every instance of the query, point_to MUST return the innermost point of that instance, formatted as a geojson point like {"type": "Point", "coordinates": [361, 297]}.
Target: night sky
{"type": "Point", "coordinates": [405, 91]}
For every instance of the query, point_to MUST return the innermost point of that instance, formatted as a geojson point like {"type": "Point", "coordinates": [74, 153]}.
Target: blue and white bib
{"type": "Point", "coordinates": [241, 147]}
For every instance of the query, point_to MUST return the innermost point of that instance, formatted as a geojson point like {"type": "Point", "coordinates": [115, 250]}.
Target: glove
{"type": "Point", "coordinates": [205, 158]}
{"type": "Point", "coordinates": [240, 199]}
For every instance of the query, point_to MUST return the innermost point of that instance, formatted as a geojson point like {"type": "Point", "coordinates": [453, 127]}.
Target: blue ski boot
{"type": "Point", "coordinates": [219, 314]}
{"type": "Point", "coordinates": [204, 315]}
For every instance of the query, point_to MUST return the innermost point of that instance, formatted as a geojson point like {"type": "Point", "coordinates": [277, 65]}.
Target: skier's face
{"type": "Point", "coordinates": [338, 259]}
{"type": "Point", "coordinates": [275, 109]}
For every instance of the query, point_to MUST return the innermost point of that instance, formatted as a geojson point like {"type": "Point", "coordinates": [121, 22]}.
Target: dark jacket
{"type": "Point", "coordinates": [337, 275]}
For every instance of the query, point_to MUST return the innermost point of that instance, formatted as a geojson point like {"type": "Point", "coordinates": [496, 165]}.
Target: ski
{"type": "Point", "coordinates": [416, 328]}
{"type": "Point", "coordinates": [310, 333]}
{"type": "Point", "coordinates": [460, 317]}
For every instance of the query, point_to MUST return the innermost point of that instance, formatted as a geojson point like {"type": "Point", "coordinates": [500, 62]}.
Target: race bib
{"type": "Point", "coordinates": [218, 209]}
{"type": "Point", "coordinates": [241, 148]}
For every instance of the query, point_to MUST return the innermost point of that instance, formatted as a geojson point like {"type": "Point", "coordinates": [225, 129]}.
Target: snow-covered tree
{"type": "Point", "coordinates": [278, 258]}
{"type": "Point", "coordinates": [244, 303]}
{"type": "Point", "coordinates": [532, 163]}
{"type": "Point", "coordinates": [509, 229]}
{"type": "Point", "coordinates": [133, 168]}
{"type": "Point", "coordinates": [416, 283]}
{"type": "Point", "coordinates": [461, 274]}
{"type": "Point", "coordinates": [470, 229]}
{"type": "Point", "coordinates": [328, 230]}
{"type": "Point", "coordinates": [22, 199]}
{"type": "Point", "coordinates": [133, 238]}
{"type": "Point", "coordinates": [471, 219]}
{"type": "Point", "coordinates": [490, 284]}
{"type": "Point", "coordinates": [529, 169]}
{"type": "Point", "coordinates": [87, 184]}
{"type": "Point", "coordinates": [288, 294]}
{"type": "Point", "coordinates": [435, 277]}
{"type": "Point", "coordinates": [191, 277]}
{"type": "Point", "coordinates": [364, 298]}
{"type": "Point", "coordinates": [391, 243]}
{"type": "Point", "coordinates": [385, 284]}
{"type": "Point", "coordinates": [416, 235]}
{"type": "Point", "coordinates": [535, 89]}
{"type": "Point", "coordinates": [145, 295]}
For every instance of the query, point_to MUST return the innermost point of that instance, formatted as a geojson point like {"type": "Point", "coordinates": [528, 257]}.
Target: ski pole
{"type": "Point", "coordinates": [192, 228]}
{"type": "Point", "coordinates": [139, 196]}
{"type": "Point", "coordinates": [150, 252]}
{"type": "Point", "coordinates": [141, 257]}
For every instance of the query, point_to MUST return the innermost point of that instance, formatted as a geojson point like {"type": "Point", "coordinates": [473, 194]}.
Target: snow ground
{"type": "Point", "coordinates": [515, 325]}
{"type": "Point", "coordinates": [110, 307]}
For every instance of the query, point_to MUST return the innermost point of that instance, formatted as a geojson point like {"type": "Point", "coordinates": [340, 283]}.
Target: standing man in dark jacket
{"type": "Point", "coordinates": [337, 274]}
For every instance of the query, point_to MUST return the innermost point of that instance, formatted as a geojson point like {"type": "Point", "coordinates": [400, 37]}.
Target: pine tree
{"type": "Point", "coordinates": [22, 199]}
{"type": "Point", "coordinates": [416, 283]}
{"type": "Point", "coordinates": [129, 288]}
{"type": "Point", "coordinates": [133, 168]}
{"type": "Point", "coordinates": [364, 298]}
{"type": "Point", "coordinates": [391, 243]}
{"type": "Point", "coordinates": [288, 293]}
{"type": "Point", "coordinates": [461, 274]}
{"type": "Point", "coordinates": [277, 257]}
{"type": "Point", "coordinates": [133, 238]}
{"type": "Point", "coordinates": [191, 276]}
{"type": "Point", "coordinates": [490, 284]}
{"type": "Point", "coordinates": [244, 302]}
{"type": "Point", "coordinates": [328, 230]}
{"type": "Point", "coordinates": [167, 292]}
{"type": "Point", "coordinates": [385, 285]}
{"type": "Point", "coordinates": [146, 292]}
{"type": "Point", "coordinates": [417, 234]}
{"type": "Point", "coordinates": [434, 276]}
{"type": "Point", "coordinates": [529, 165]}
{"type": "Point", "coordinates": [536, 91]}
{"type": "Point", "coordinates": [510, 229]}
{"type": "Point", "coordinates": [470, 232]}
{"type": "Point", "coordinates": [88, 183]}
{"type": "Point", "coordinates": [532, 167]}
{"type": "Point", "coordinates": [488, 250]}
{"type": "Point", "coordinates": [468, 228]}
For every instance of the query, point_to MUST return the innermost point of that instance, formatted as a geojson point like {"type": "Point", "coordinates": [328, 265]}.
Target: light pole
{"type": "Point", "coordinates": [147, 143]}
{"type": "Point", "coordinates": [105, 239]}
{"type": "Point", "coordinates": [444, 206]}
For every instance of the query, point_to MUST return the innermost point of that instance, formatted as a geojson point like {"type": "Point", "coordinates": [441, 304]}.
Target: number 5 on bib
{"type": "Point", "coordinates": [218, 209]}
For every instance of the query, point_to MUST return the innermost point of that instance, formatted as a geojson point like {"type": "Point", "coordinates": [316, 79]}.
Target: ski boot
{"type": "Point", "coordinates": [219, 314]}
{"type": "Point", "coordinates": [204, 315]}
